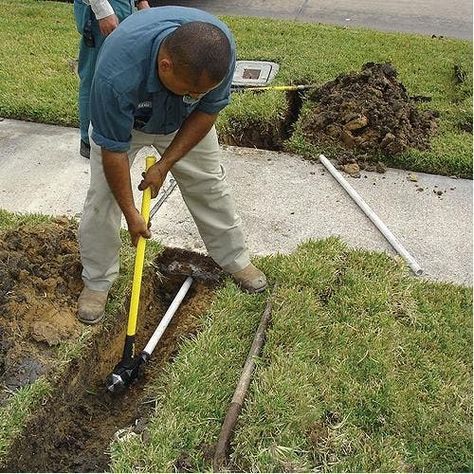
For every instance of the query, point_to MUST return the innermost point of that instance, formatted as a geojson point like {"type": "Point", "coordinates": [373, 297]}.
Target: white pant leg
{"type": "Point", "coordinates": [99, 229]}
{"type": "Point", "coordinates": [202, 182]}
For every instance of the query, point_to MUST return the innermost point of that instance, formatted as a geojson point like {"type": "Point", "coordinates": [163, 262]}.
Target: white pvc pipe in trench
{"type": "Point", "coordinates": [150, 347]}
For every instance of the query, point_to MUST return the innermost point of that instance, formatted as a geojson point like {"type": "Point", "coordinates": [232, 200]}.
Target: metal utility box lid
{"type": "Point", "coordinates": [254, 73]}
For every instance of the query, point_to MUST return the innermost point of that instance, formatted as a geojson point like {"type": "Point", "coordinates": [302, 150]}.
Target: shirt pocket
{"type": "Point", "coordinates": [143, 114]}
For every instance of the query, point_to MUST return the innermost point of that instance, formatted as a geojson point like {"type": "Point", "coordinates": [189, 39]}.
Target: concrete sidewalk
{"type": "Point", "coordinates": [283, 200]}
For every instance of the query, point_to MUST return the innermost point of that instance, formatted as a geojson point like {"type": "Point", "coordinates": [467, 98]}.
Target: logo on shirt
{"type": "Point", "coordinates": [145, 105]}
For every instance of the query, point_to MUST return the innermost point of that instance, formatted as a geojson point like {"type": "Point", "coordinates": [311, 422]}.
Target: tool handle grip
{"type": "Point", "coordinates": [146, 201]}
{"type": "Point", "coordinates": [139, 259]}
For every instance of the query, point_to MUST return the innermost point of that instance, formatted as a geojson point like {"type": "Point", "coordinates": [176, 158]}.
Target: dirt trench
{"type": "Point", "coordinates": [267, 136]}
{"type": "Point", "coordinates": [72, 430]}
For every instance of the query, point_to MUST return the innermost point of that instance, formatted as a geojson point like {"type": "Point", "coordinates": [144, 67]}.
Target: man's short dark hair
{"type": "Point", "coordinates": [199, 47]}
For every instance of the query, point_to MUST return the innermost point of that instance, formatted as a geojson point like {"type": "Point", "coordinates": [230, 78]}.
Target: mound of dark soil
{"type": "Point", "coordinates": [39, 285]}
{"type": "Point", "coordinates": [368, 114]}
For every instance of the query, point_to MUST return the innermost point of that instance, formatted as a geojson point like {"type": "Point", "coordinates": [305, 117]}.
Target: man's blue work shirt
{"type": "Point", "coordinates": [126, 91]}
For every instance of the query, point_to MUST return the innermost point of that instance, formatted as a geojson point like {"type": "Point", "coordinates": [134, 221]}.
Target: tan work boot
{"type": "Point", "coordinates": [251, 279]}
{"type": "Point", "coordinates": [91, 306]}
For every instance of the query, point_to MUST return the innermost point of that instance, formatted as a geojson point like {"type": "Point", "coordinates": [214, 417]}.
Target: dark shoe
{"type": "Point", "coordinates": [91, 306]}
{"type": "Point", "coordinates": [85, 150]}
{"type": "Point", "coordinates": [251, 279]}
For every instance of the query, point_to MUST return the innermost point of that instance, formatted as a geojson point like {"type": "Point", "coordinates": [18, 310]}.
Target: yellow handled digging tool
{"type": "Point", "coordinates": [127, 369]}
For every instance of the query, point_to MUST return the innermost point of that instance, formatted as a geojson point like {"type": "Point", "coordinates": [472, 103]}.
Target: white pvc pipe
{"type": "Point", "coordinates": [417, 270]}
{"type": "Point", "coordinates": [150, 347]}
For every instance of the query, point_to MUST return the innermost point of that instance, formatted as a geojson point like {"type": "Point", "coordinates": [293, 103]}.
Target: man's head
{"type": "Point", "coordinates": [194, 59]}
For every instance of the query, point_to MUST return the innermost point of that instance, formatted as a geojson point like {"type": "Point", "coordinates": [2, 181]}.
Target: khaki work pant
{"type": "Point", "coordinates": [202, 182]}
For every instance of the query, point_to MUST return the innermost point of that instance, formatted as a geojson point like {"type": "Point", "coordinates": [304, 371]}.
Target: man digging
{"type": "Point", "coordinates": [161, 79]}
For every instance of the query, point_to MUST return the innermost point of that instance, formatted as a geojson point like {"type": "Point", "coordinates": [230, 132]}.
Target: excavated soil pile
{"type": "Point", "coordinates": [73, 429]}
{"type": "Point", "coordinates": [368, 114]}
{"type": "Point", "coordinates": [39, 285]}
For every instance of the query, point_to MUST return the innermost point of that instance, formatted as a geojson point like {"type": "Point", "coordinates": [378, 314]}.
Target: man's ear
{"type": "Point", "coordinates": [165, 64]}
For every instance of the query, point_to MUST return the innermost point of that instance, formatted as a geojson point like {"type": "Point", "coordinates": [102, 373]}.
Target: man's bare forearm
{"type": "Point", "coordinates": [193, 130]}
{"type": "Point", "coordinates": [117, 172]}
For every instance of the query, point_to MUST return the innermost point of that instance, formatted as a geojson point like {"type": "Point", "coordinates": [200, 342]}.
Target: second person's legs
{"type": "Point", "coordinates": [86, 67]}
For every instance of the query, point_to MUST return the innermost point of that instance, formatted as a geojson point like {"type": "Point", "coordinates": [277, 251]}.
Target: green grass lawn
{"type": "Point", "coordinates": [364, 369]}
{"type": "Point", "coordinates": [37, 82]}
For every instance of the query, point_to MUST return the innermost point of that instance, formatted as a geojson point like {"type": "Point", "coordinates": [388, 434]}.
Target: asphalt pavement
{"type": "Point", "coordinates": [428, 17]}
{"type": "Point", "coordinates": [283, 200]}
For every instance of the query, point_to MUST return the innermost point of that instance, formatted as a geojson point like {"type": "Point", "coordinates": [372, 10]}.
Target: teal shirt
{"type": "Point", "coordinates": [126, 91]}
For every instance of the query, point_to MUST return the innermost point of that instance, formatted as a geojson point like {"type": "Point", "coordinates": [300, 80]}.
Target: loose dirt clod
{"type": "Point", "coordinates": [39, 285]}
{"type": "Point", "coordinates": [366, 115]}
